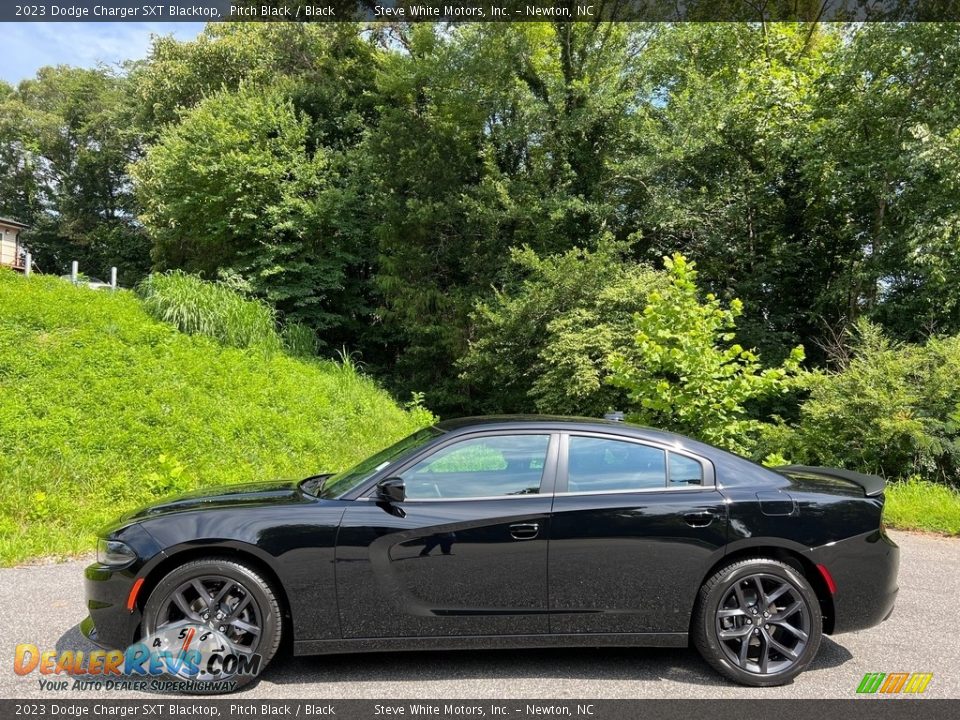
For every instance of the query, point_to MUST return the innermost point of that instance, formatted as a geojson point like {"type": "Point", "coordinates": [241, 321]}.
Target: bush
{"type": "Point", "coordinates": [893, 411]}
{"type": "Point", "coordinates": [197, 307]}
{"type": "Point", "coordinates": [683, 372]}
{"type": "Point", "coordinates": [589, 331]}
{"type": "Point", "coordinates": [542, 344]}
{"type": "Point", "coordinates": [103, 408]}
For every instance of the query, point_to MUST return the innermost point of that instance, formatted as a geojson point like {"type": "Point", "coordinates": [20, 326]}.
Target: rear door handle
{"type": "Point", "coordinates": [698, 519]}
{"type": "Point", "coordinates": [524, 531]}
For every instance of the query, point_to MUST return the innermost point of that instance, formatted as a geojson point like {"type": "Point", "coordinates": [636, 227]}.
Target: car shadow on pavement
{"type": "Point", "coordinates": [635, 664]}
{"type": "Point", "coordinates": [74, 640]}
{"type": "Point", "coordinates": [623, 664]}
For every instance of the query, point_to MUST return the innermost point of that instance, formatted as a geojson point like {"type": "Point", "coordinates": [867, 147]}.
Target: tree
{"type": "Point", "coordinates": [66, 137]}
{"type": "Point", "coordinates": [275, 113]}
{"type": "Point", "coordinates": [232, 190]}
{"type": "Point", "coordinates": [541, 344]}
{"type": "Point", "coordinates": [682, 373]}
{"type": "Point", "coordinates": [807, 169]}
{"type": "Point", "coordinates": [489, 137]}
{"type": "Point", "coordinates": [717, 170]}
{"type": "Point", "coordinates": [882, 168]}
{"type": "Point", "coordinates": [329, 66]}
{"type": "Point", "coordinates": [18, 186]}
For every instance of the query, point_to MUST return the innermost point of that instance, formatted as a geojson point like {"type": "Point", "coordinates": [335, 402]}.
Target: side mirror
{"type": "Point", "coordinates": [391, 490]}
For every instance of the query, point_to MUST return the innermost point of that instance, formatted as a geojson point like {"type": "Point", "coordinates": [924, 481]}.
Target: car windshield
{"type": "Point", "coordinates": [342, 482]}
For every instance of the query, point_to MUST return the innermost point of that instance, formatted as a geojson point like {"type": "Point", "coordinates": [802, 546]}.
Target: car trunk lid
{"type": "Point", "coordinates": [869, 485]}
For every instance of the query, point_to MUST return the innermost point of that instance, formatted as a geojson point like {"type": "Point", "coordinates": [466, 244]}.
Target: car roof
{"type": "Point", "coordinates": [562, 422]}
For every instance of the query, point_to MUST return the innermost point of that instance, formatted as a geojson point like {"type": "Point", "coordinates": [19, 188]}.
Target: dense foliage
{"type": "Point", "coordinates": [893, 410]}
{"type": "Point", "coordinates": [544, 343]}
{"type": "Point", "coordinates": [684, 372]}
{"type": "Point", "coordinates": [103, 408]}
{"type": "Point", "coordinates": [66, 138]}
{"type": "Point", "coordinates": [475, 211]}
{"type": "Point", "coordinates": [591, 331]}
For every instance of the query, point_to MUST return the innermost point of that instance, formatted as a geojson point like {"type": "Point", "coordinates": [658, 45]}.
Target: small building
{"type": "Point", "coordinates": [12, 252]}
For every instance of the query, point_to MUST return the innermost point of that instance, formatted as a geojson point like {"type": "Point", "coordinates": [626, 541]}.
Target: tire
{"type": "Point", "coordinates": [734, 636]}
{"type": "Point", "coordinates": [248, 590]}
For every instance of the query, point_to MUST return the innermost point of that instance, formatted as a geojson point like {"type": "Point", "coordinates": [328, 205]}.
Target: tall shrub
{"type": "Point", "coordinates": [197, 307]}
{"type": "Point", "coordinates": [683, 371]}
{"type": "Point", "coordinates": [894, 410]}
{"type": "Point", "coordinates": [541, 344]}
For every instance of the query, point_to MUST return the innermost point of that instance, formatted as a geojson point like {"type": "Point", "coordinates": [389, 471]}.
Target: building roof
{"type": "Point", "coordinates": [13, 223]}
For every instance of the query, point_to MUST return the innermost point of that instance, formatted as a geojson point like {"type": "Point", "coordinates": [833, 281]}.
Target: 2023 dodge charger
{"type": "Point", "coordinates": [505, 532]}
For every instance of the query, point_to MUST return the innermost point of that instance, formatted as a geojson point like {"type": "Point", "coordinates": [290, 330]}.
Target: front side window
{"type": "Point", "coordinates": [604, 465]}
{"type": "Point", "coordinates": [345, 481]}
{"type": "Point", "coordinates": [480, 467]}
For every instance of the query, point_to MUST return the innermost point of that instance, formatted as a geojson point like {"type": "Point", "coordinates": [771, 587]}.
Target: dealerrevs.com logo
{"type": "Point", "coordinates": [181, 657]}
{"type": "Point", "coordinates": [894, 683]}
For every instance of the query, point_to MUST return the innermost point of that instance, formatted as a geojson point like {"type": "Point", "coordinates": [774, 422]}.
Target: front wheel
{"type": "Point", "coordinates": [758, 622]}
{"type": "Point", "coordinates": [222, 610]}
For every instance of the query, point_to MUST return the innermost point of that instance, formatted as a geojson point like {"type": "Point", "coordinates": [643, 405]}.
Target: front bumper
{"type": "Point", "coordinates": [110, 624]}
{"type": "Point", "coordinates": [864, 569]}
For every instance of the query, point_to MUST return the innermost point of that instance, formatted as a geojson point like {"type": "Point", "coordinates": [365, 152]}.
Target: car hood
{"type": "Point", "coordinates": [271, 492]}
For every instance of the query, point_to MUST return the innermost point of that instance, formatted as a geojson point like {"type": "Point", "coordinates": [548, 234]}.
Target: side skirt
{"type": "Point", "coordinates": [489, 642]}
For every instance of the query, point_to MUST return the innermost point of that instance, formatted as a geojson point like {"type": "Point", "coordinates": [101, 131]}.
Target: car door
{"type": "Point", "coordinates": [464, 554]}
{"type": "Point", "coordinates": [635, 526]}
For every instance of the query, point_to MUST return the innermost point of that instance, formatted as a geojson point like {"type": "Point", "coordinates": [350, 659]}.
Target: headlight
{"type": "Point", "coordinates": [114, 553]}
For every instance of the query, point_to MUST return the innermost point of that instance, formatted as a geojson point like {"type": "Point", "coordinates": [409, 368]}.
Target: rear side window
{"type": "Point", "coordinates": [604, 465]}
{"type": "Point", "coordinates": [685, 471]}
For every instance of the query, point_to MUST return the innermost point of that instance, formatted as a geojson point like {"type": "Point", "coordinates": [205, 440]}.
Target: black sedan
{"type": "Point", "coordinates": [508, 532]}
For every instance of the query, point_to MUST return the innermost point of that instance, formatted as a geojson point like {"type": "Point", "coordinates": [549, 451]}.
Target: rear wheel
{"type": "Point", "coordinates": [222, 603]}
{"type": "Point", "coordinates": [758, 622]}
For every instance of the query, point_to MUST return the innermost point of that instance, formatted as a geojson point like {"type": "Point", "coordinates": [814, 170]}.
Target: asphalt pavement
{"type": "Point", "coordinates": [43, 604]}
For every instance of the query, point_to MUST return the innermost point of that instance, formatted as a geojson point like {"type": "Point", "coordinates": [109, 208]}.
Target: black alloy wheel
{"type": "Point", "coordinates": [758, 622]}
{"type": "Point", "coordinates": [220, 599]}
{"type": "Point", "coordinates": [763, 624]}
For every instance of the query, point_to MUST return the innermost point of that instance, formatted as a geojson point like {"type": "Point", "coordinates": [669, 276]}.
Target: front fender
{"type": "Point", "coordinates": [295, 543]}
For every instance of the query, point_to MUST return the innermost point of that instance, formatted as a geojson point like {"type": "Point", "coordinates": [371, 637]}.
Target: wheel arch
{"type": "Point", "coordinates": [792, 557]}
{"type": "Point", "coordinates": [236, 552]}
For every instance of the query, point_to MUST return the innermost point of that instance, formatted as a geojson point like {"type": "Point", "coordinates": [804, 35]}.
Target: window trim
{"type": "Point", "coordinates": [563, 478]}
{"type": "Point", "coordinates": [547, 480]}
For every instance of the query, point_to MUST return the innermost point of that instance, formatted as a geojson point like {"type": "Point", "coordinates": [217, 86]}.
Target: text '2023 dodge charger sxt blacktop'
{"type": "Point", "coordinates": [514, 532]}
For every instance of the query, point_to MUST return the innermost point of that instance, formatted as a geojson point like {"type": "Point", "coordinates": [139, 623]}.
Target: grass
{"type": "Point", "coordinates": [211, 309]}
{"type": "Point", "coordinates": [103, 408]}
{"type": "Point", "coordinates": [923, 505]}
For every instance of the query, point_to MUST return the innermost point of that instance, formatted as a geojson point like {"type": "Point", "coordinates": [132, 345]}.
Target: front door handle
{"type": "Point", "coordinates": [699, 519]}
{"type": "Point", "coordinates": [524, 531]}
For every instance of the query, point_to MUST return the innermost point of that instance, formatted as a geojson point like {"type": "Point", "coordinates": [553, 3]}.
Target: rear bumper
{"type": "Point", "coordinates": [864, 569]}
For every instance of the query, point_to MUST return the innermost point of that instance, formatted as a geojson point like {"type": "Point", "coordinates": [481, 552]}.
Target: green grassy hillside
{"type": "Point", "coordinates": [103, 408]}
